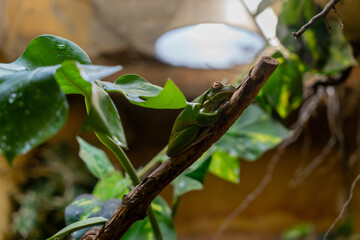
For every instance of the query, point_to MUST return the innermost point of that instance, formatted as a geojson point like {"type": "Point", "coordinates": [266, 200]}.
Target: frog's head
{"type": "Point", "coordinates": [217, 95]}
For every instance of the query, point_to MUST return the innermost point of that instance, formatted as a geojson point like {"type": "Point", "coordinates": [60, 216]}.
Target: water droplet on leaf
{"type": "Point", "coordinates": [12, 98]}
{"type": "Point", "coordinates": [61, 46]}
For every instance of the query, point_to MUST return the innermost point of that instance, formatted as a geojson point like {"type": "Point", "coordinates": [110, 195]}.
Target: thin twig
{"type": "Point", "coordinates": [356, 153]}
{"type": "Point", "coordinates": [343, 207]}
{"type": "Point", "coordinates": [301, 176]}
{"type": "Point", "coordinates": [330, 5]}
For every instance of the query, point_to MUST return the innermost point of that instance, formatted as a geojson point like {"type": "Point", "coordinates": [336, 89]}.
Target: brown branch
{"type": "Point", "coordinates": [134, 204]}
{"type": "Point", "coordinates": [330, 5]}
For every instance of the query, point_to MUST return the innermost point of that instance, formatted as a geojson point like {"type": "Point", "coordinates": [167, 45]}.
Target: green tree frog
{"type": "Point", "coordinates": [204, 111]}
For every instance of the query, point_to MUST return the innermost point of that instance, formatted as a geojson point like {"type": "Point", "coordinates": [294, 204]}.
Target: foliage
{"type": "Point", "coordinates": [33, 83]}
{"type": "Point", "coordinates": [55, 179]}
{"type": "Point", "coordinates": [33, 107]}
{"type": "Point", "coordinates": [111, 187]}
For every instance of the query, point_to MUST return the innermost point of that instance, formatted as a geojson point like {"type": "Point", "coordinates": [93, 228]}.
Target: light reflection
{"type": "Point", "coordinates": [208, 45]}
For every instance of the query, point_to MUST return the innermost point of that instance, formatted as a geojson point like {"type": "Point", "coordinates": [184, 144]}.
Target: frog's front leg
{"type": "Point", "coordinates": [182, 140]}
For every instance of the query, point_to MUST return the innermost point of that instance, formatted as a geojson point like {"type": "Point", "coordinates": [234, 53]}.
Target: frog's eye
{"type": "Point", "coordinates": [217, 86]}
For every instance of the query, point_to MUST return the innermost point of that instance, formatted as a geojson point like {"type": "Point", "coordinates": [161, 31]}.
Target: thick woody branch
{"type": "Point", "coordinates": [323, 14]}
{"type": "Point", "coordinates": [134, 204]}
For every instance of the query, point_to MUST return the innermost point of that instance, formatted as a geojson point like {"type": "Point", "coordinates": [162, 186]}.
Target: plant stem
{"type": "Point", "coordinates": [130, 170]}
{"type": "Point", "coordinates": [152, 162]}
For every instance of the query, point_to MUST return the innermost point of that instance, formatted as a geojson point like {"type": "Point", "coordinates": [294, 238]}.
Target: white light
{"type": "Point", "coordinates": [267, 22]}
{"type": "Point", "coordinates": [252, 5]}
{"type": "Point", "coordinates": [208, 45]}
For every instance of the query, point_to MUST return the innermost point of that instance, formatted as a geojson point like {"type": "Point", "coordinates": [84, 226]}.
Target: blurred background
{"type": "Point", "coordinates": [194, 43]}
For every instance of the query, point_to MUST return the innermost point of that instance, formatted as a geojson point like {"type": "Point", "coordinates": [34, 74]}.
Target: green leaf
{"type": "Point", "coordinates": [71, 82]}
{"type": "Point", "coordinates": [192, 178]}
{"type": "Point", "coordinates": [103, 116]}
{"type": "Point", "coordinates": [141, 230]}
{"type": "Point", "coordinates": [324, 52]}
{"type": "Point", "coordinates": [225, 166]}
{"type": "Point", "coordinates": [114, 185]}
{"type": "Point", "coordinates": [283, 91]}
{"type": "Point", "coordinates": [339, 51]}
{"type": "Point", "coordinates": [183, 184]}
{"type": "Point", "coordinates": [252, 134]}
{"type": "Point", "coordinates": [82, 207]}
{"type": "Point", "coordinates": [199, 169]}
{"type": "Point", "coordinates": [77, 226]}
{"type": "Point", "coordinates": [32, 109]}
{"type": "Point", "coordinates": [299, 231]}
{"type": "Point", "coordinates": [95, 159]}
{"type": "Point", "coordinates": [142, 93]}
{"type": "Point", "coordinates": [46, 50]}
{"type": "Point", "coordinates": [75, 78]}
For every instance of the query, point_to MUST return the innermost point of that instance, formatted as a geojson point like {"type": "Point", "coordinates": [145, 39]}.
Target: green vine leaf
{"type": "Point", "coordinates": [32, 109]}
{"type": "Point", "coordinates": [225, 166]}
{"type": "Point", "coordinates": [251, 135]}
{"type": "Point", "coordinates": [45, 50]}
{"type": "Point", "coordinates": [322, 51]}
{"type": "Point", "coordinates": [32, 106]}
{"type": "Point", "coordinates": [95, 159]}
{"type": "Point", "coordinates": [282, 93]}
{"type": "Point", "coordinates": [142, 93]}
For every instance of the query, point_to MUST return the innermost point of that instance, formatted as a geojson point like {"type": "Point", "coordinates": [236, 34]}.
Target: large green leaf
{"type": "Point", "coordinates": [32, 106]}
{"type": "Point", "coordinates": [46, 50]}
{"type": "Point", "coordinates": [252, 134]}
{"type": "Point", "coordinates": [95, 159]}
{"type": "Point", "coordinates": [142, 93]}
{"type": "Point", "coordinates": [225, 166]}
{"type": "Point", "coordinates": [282, 93]}
{"type": "Point", "coordinates": [141, 230]}
{"type": "Point", "coordinates": [32, 109]}
{"type": "Point", "coordinates": [103, 116]}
